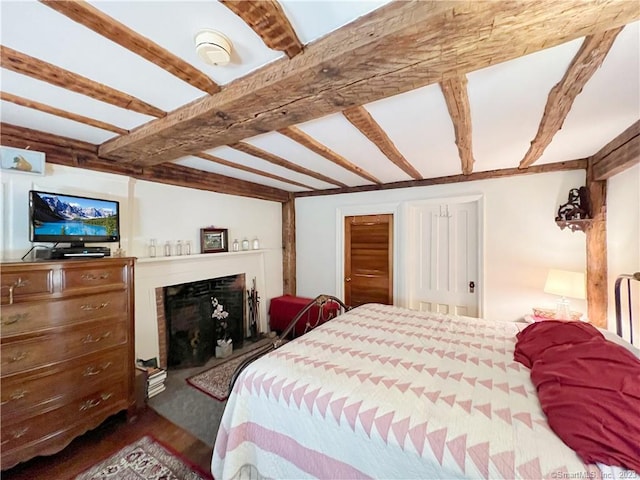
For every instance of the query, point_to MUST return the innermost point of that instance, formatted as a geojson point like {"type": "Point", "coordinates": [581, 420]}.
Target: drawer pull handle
{"type": "Point", "coordinates": [15, 318]}
{"type": "Point", "coordinates": [89, 338]}
{"type": "Point", "coordinates": [17, 395]}
{"type": "Point", "coordinates": [18, 357]}
{"type": "Point", "coordinates": [89, 404]}
{"type": "Point", "coordinates": [17, 284]}
{"type": "Point", "coordinates": [89, 307]}
{"type": "Point", "coordinates": [91, 371]}
{"type": "Point", "coordinates": [91, 276]}
{"type": "Point", "coordinates": [93, 403]}
{"type": "Point", "coordinates": [17, 434]}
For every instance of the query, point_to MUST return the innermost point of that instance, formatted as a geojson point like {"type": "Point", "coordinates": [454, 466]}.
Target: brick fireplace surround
{"type": "Point", "coordinates": [152, 275]}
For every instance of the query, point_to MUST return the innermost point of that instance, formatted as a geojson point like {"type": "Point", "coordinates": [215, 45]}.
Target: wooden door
{"type": "Point", "coordinates": [368, 269]}
{"type": "Point", "coordinates": [444, 255]}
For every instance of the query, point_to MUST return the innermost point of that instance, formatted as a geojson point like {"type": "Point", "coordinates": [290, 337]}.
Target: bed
{"type": "Point", "coordinates": [385, 392]}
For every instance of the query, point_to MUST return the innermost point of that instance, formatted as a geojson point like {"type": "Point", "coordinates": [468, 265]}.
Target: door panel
{"type": "Point", "coordinates": [368, 259]}
{"type": "Point", "coordinates": [445, 246]}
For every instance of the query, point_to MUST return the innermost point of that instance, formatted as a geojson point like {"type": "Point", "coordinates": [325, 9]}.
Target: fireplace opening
{"type": "Point", "coordinates": [192, 328]}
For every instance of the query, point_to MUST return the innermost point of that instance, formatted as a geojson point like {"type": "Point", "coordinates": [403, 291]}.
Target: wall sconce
{"type": "Point", "coordinates": [576, 213]}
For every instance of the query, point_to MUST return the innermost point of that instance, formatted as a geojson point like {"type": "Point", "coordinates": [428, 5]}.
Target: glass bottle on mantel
{"type": "Point", "coordinates": [255, 244]}
{"type": "Point", "coordinates": [179, 247]}
{"type": "Point", "coordinates": [152, 248]}
{"type": "Point", "coordinates": [236, 246]}
{"type": "Point", "coordinates": [187, 247]}
{"type": "Point", "coordinates": [167, 249]}
{"type": "Point", "coordinates": [245, 244]}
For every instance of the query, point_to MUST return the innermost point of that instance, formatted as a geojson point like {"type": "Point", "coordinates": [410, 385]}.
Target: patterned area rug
{"type": "Point", "coordinates": [145, 459]}
{"type": "Point", "coordinates": [215, 381]}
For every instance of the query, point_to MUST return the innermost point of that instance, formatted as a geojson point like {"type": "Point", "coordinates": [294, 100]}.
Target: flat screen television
{"type": "Point", "coordinates": [58, 218]}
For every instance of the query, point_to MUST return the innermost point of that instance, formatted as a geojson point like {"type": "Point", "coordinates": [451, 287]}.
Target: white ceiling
{"type": "Point", "coordinates": [507, 100]}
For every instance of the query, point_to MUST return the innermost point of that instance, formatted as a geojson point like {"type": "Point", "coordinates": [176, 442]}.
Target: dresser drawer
{"type": "Point", "coordinates": [61, 345]}
{"type": "Point", "coordinates": [25, 284]}
{"type": "Point", "coordinates": [26, 394]}
{"type": "Point", "coordinates": [36, 316]}
{"type": "Point", "coordinates": [101, 402]}
{"type": "Point", "coordinates": [94, 277]}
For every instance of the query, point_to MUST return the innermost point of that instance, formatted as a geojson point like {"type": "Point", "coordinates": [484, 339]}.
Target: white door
{"type": "Point", "coordinates": [444, 257]}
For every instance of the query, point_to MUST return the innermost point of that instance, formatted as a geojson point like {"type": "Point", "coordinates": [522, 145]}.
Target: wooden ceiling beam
{"type": "Point", "coordinates": [179, 175]}
{"type": "Point", "coordinates": [46, 72]}
{"type": "Point", "coordinates": [619, 154]}
{"type": "Point", "coordinates": [457, 99]}
{"type": "Point", "coordinates": [363, 121]}
{"type": "Point", "coordinates": [592, 53]}
{"type": "Point", "coordinates": [60, 150]}
{"type": "Point", "coordinates": [269, 21]}
{"type": "Point", "coordinates": [580, 164]}
{"type": "Point", "coordinates": [227, 163]}
{"type": "Point", "coordinates": [315, 146]}
{"type": "Point", "coordinates": [394, 49]}
{"type": "Point", "coordinates": [92, 18]}
{"type": "Point", "coordinates": [75, 153]}
{"type": "Point", "coordinates": [281, 162]}
{"type": "Point", "coordinates": [41, 107]}
{"type": "Point", "coordinates": [29, 134]}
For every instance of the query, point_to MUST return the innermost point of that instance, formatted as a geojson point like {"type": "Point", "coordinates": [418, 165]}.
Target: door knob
{"type": "Point", "coordinates": [348, 279]}
{"type": "Point", "coordinates": [472, 286]}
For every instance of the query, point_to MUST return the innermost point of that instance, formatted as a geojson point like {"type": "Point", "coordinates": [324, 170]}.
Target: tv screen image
{"type": "Point", "coordinates": [61, 218]}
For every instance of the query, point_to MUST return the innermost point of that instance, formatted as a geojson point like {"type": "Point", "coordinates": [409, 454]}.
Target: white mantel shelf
{"type": "Point", "coordinates": [197, 256]}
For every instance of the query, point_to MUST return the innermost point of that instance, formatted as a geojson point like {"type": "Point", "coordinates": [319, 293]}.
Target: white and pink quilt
{"type": "Point", "coordinates": [385, 392]}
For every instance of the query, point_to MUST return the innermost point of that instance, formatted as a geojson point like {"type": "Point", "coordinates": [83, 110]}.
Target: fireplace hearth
{"type": "Point", "coordinates": [191, 329]}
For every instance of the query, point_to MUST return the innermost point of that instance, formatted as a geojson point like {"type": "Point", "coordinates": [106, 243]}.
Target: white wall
{"type": "Point", "coordinates": [521, 238]}
{"type": "Point", "coordinates": [623, 234]}
{"type": "Point", "coordinates": [149, 210]}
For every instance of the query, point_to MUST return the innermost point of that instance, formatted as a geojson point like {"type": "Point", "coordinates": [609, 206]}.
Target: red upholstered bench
{"type": "Point", "coordinates": [283, 309]}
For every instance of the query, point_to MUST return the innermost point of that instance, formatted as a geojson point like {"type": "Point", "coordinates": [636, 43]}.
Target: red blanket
{"type": "Point", "coordinates": [589, 389]}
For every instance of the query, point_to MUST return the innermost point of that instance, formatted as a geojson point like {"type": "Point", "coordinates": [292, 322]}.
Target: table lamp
{"type": "Point", "coordinates": [567, 285]}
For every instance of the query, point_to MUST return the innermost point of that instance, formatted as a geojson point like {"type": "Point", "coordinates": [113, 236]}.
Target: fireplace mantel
{"type": "Point", "coordinates": [197, 256]}
{"type": "Point", "coordinates": [152, 273]}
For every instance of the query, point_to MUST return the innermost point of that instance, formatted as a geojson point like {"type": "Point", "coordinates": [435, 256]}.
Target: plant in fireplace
{"type": "Point", "coordinates": [224, 343]}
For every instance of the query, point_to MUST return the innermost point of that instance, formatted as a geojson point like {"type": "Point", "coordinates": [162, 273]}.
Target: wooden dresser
{"type": "Point", "coordinates": [67, 333]}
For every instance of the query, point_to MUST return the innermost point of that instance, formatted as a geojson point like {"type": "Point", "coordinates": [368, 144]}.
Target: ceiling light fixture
{"type": "Point", "coordinates": [213, 47]}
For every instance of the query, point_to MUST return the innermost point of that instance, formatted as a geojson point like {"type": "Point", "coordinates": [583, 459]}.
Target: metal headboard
{"type": "Point", "coordinates": [320, 301]}
{"type": "Point", "coordinates": [625, 278]}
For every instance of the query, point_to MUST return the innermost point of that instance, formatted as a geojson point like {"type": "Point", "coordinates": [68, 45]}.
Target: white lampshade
{"type": "Point", "coordinates": [565, 284]}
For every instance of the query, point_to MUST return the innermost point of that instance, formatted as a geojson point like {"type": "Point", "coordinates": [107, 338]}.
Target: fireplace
{"type": "Point", "coordinates": [192, 328]}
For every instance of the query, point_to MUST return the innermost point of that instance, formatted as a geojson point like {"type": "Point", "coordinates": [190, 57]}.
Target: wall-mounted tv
{"type": "Point", "coordinates": [54, 217]}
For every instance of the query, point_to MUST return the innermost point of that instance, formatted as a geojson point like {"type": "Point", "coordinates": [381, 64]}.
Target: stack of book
{"type": "Point", "coordinates": [155, 381]}
{"type": "Point", "coordinates": [155, 376]}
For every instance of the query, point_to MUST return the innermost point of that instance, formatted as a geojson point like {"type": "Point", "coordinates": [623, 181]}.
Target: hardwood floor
{"type": "Point", "coordinates": [107, 439]}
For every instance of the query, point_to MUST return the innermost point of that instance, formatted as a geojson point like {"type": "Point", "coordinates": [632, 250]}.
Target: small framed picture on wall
{"type": "Point", "coordinates": [22, 161]}
{"type": "Point", "coordinates": [213, 240]}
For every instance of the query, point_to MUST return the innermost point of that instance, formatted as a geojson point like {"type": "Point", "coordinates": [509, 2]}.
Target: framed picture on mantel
{"type": "Point", "coordinates": [213, 240]}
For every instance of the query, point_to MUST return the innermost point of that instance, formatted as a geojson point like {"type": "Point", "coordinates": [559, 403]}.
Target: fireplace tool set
{"type": "Point", "coordinates": [254, 313]}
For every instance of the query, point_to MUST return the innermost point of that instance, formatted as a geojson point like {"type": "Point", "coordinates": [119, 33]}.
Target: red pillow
{"type": "Point", "coordinates": [538, 337]}
{"type": "Point", "coordinates": [588, 387]}
{"type": "Point", "coordinates": [590, 393]}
